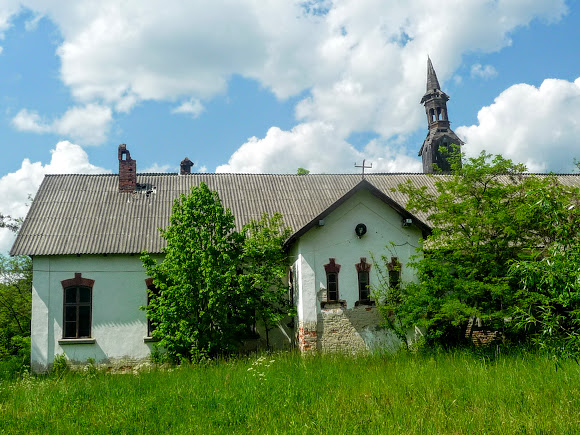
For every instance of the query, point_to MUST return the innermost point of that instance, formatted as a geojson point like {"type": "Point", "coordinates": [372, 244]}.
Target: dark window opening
{"type": "Point", "coordinates": [77, 307]}
{"type": "Point", "coordinates": [332, 286]}
{"type": "Point", "coordinates": [332, 269]}
{"type": "Point", "coordinates": [394, 268]}
{"type": "Point", "coordinates": [363, 274]}
{"type": "Point", "coordinates": [363, 286]}
{"type": "Point", "coordinates": [77, 312]}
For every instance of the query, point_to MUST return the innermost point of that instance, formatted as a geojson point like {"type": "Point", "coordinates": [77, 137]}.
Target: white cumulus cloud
{"type": "Point", "coordinates": [358, 65]}
{"type": "Point", "coordinates": [193, 107]}
{"type": "Point", "coordinates": [484, 72]}
{"type": "Point", "coordinates": [537, 126]}
{"type": "Point", "coordinates": [156, 168]}
{"type": "Point", "coordinates": [361, 61]}
{"type": "Point", "coordinates": [16, 187]}
{"type": "Point", "coordinates": [316, 146]}
{"type": "Point", "coordinates": [89, 124]}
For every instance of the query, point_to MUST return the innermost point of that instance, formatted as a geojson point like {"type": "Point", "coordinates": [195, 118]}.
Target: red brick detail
{"type": "Point", "coordinates": [332, 267]}
{"type": "Point", "coordinates": [77, 281]}
{"type": "Point", "coordinates": [307, 339]}
{"type": "Point", "coordinates": [394, 264]}
{"type": "Point", "coordinates": [127, 170]}
{"type": "Point", "coordinates": [363, 266]}
{"type": "Point", "coordinates": [480, 336]}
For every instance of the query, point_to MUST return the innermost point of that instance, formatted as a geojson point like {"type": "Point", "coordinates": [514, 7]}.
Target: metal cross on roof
{"type": "Point", "coordinates": [363, 167]}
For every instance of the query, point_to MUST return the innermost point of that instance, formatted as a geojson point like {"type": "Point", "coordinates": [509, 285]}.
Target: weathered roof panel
{"type": "Point", "coordinates": [86, 214]}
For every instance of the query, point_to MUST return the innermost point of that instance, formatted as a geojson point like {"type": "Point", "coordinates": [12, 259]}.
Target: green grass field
{"type": "Point", "coordinates": [285, 393]}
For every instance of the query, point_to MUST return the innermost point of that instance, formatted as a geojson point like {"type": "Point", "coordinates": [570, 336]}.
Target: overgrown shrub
{"type": "Point", "coordinates": [59, 365]}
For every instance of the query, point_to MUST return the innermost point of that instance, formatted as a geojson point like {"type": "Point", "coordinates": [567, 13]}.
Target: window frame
{"type": "Point", "coordinates": [394, 272]}
{"type": "Point", "coordinates": [332, 270]}
{"type": "Point", "coordinates": [332, 287]}
{"type": "Point", "coordinates": [78, 283]}
{"type": "Point", "coordinates": [363, 269]}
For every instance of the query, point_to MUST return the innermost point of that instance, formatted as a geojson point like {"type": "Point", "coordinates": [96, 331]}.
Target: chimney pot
{"type": "Point", "coordinates": [185, 166]}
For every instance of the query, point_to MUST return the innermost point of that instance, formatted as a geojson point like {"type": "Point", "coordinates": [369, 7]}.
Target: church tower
{"type": "Point", "coordinates": [440, 133]}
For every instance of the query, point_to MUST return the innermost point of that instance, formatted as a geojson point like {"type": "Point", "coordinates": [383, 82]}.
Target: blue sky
{"type": "Point", "coordinates": [254, 86]}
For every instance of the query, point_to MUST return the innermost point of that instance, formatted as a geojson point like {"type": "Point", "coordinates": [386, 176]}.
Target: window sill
{"type": "Point", "coordinates": [150, 340]}
{"type": "Point", "coordinates": [66, 341]}
{"type": "Point", "coordinates": [366, 302]}
{"type": "Point", "coordinates": [333, 304]}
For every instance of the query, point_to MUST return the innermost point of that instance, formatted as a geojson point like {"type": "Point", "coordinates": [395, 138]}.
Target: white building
{"type": "Point", "coordinates": [85, 232]}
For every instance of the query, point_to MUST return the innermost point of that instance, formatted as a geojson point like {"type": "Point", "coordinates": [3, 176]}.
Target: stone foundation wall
{"type": "Point", "coordinates": [353, 330]}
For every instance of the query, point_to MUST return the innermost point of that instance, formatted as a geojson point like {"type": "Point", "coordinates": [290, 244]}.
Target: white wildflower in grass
{"type": "Point", "coordinates": [259, 367]}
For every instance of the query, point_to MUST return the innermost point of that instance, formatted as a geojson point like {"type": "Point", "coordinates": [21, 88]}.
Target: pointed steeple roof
{"type": "Point", "coordinates": [432, 82]}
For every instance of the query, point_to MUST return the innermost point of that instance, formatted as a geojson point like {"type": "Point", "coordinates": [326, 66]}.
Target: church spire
{"type": "Point", "coordinates": [432, 82]}
{"type": "Point", "coordinates": [440, 133]}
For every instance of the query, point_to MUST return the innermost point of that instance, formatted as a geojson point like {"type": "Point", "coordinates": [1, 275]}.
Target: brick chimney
{"type": "Point", "coordinates": [127, 170]}
{"type": "Point", "coordinates": [185, 167]}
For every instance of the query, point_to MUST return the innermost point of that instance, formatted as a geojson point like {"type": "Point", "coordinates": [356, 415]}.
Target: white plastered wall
{"type": "Point", "coordinates": [337, 239]}
{"type": "Point", "coordinates": [118, 325]}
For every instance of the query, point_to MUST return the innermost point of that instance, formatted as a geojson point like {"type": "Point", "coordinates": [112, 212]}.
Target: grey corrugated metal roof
{"type": "Point", "coordinates": [86, 214]}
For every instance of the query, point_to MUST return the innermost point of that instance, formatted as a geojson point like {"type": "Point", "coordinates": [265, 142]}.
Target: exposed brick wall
{"type": "Point", "coordinates": [127, 170]}
{"type": "Point", "coordinates": [307, 337]}
{"type": "Point", "coordinates": [343, 330]}
{"type": "Point", "coordinates": [339, 329]}
{"type": "Point", "coordinates": [480, 336]}
{"type": "Point", "coordinates": [185, 166]}
{"type": "Point", "coordinates": [78, 280]}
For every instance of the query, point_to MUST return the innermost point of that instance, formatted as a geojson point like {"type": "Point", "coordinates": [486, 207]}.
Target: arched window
{"type": "Point", "coordinates": [77, 307]}
{"type": "Point", "coordinates": [394, 268]}
{"type": "Point", "coordinates": [431, 115]}
{"type": "Point", "coordinates": [363, 270]}
{"type": "Point", "coordinates": [332, 270]}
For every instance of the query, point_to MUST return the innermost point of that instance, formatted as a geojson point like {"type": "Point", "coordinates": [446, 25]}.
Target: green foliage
{"type": "Point", "coordinates": [157, 355]}
{"type": "Point", "coordinates": [16, 363]}
{"type": "Point", "coordinates": [265, 266]}
{"type": "Point", "coordinates": [302, 171]}
{"type": "Point", "coordinates": [484, 217]}
{"type": "Point", "coordinates": [195, 308]}
{"type": "Point", "coordinates": [59, 365]}
{"type": "Point", "coordinates": [391, 297]}
{"type": "Point", "coordinates": [439, 393]}
{"type": "Point", "coordinates": [548, 298]}
{"type": "Point", "coordinates": [15, 304]}
{"type": "Point", "coordinates": [204, 303]}
{"type": "Point", "coordinates": [10, 223]}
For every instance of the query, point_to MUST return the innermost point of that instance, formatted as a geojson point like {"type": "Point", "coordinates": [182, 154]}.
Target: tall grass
{"type": "Point", "coordinates": [286, 393]}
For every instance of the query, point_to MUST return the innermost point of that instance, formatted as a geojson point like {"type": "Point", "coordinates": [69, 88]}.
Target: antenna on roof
{"type": "Point", "coordinates": [363, 167]}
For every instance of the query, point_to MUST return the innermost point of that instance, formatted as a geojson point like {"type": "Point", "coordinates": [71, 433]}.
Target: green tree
{"type": "Point", "coordinates": [205, 303]}
{"type": "Point", "coordinates": [195, 309]}
{"type": "Point", "coordinates": [548, 297]}
{"type": "Point", "coordinates": [9, 222]}
{"type": "Point", "coordinates": [483, 219]}
{"type": "Point", "coordinates": [265, 265]}
{"type": "Point", "coordinates": [15, 304]}
{"type": "Point", "coordinates": [302, 171]}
